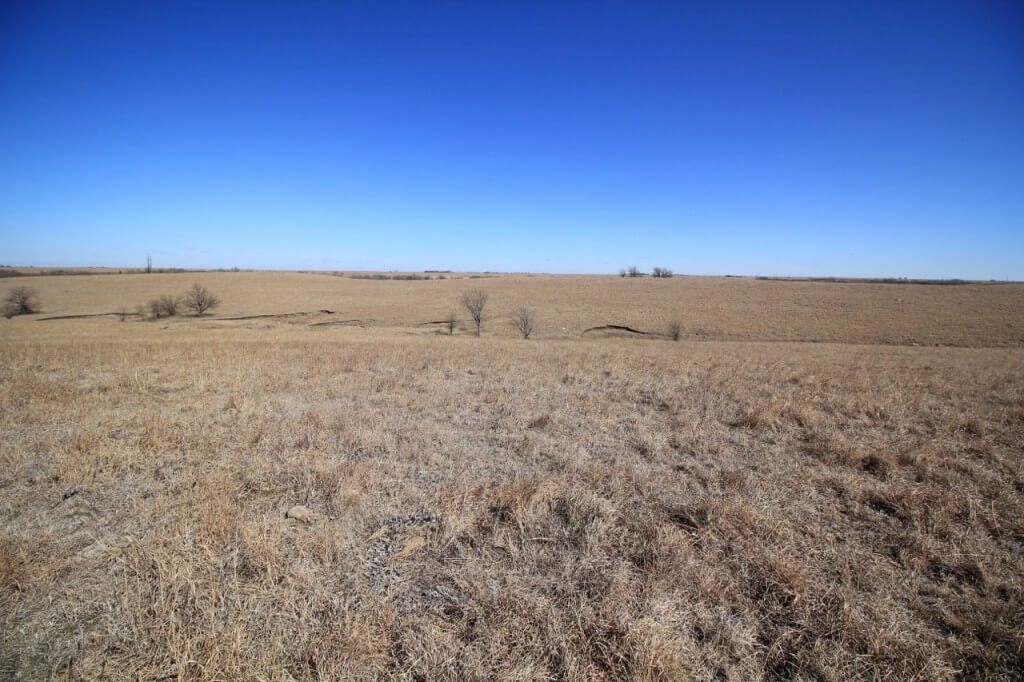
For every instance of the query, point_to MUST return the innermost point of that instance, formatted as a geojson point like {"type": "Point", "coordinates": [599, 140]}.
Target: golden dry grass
{"type": "Point", "coordinates": [561, 508]}
{"type": "Point", "coordinates": [710, 308]}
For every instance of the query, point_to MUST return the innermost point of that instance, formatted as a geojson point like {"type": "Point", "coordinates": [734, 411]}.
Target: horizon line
{"type": "Point", "coordinates": [882, 279]}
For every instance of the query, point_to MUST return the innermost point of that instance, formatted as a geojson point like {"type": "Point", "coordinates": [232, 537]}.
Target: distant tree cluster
{"type": "Point", "coordinates": [198, 300]}
{"type": "Point", "coordinates": [523, 318]}
{"type": "Point", "coordinates": [634, 271]}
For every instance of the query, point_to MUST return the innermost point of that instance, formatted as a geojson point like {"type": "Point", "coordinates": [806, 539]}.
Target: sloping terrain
{"type": "Point", "coordinates": [185, 500]}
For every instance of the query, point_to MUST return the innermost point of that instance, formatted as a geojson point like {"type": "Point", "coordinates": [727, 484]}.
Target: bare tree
{"type": "Point", "coordinates": [622, 272]}
{"type": "Point", "coordinates": [199, 299]}
{"type": "Point", "coordinates": [21, 301]}
{"type": "Point", "coordinates": [662, 272]}
{"type": "Point", "coordinates": [451, 322]}
{"type": "Point", "coordinates": [475, 301]}
{"type": "Point", "coordinates": [634, 271]}
{"type": "Point", "coordinates": [524, 320]}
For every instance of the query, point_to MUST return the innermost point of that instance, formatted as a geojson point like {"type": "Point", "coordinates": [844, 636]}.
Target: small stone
{"type": "Point", "coordinates": [300, 512]}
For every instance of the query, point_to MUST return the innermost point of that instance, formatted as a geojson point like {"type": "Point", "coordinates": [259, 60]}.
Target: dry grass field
{"type": "Point", "coordinates": [819, 481]}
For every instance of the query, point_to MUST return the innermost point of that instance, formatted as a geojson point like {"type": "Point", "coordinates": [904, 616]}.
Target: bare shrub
{"type": "Point", "coordinates": [674, 331]}
{"type": "Point", "coordinates": [475, 301]}
{"type": "Point", "coordinates": [662, 272]}
{"type": "Point", "coordinates": [634, 271]}
{"type": "Point", "coordinates": [199, 299]}
{"type": "Point", "coordinates": [170, 304]}
{"type": "Point", "coordinates": [164, 306]}
{"type": "Point", "coordinates": [622, 272]}
{"type": "Point", "coordinates": [524, 319]}
{"type": "Point", "coordinates": [451, 322]}
{"type": "Point", "coordinates": [21, 301]}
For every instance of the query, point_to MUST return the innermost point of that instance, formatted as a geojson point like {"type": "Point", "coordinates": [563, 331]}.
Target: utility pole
{"type": "Point", "coordinates": [149, 263]}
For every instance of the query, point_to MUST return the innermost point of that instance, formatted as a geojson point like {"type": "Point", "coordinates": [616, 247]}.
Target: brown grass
{"type": "Point", "coordinates": [709, 308]}
{"type": "Point", "coordinates": [559, 508]}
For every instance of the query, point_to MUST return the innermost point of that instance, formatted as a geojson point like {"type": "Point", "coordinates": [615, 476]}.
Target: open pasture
{"type": "Point", "coordinates": [819, 481]}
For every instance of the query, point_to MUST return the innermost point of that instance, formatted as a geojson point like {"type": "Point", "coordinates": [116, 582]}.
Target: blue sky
{"type": "Point", "coordinates": [818, 138]}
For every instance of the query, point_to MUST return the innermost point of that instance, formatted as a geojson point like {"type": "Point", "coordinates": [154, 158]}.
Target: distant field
{"type": "Point", "coordinates": [709, 308]}
{"type": "Point", "coordinates": [820, 481]}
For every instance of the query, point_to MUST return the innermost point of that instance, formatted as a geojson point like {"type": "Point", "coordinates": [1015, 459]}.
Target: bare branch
{"type": "Point", "coordinates": [199, 299]}
{"type": "Point", "coordinates": [524, 320]}
{"type": "Point", "coordinates": [475, 301]}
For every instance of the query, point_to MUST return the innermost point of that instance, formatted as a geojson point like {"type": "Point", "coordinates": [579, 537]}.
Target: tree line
{"type": "Point", "coordinates": [634, 271]}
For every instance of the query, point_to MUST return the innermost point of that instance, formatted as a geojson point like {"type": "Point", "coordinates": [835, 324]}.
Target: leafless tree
{"type": "Point", "coordinates": [622, 272]}
{"type": "Point", "coordinates": [475, 301]}
{"type": "Point", "coordinates": [451, 322]}
{"type": "Point", "coordinates": [634, 271]}
{"type": "Point", "coordinates": [199, 299]}
{"type": "Point", "coordinates": [524, 320]}
{"type": "Point", "coordinates": [662, 272]}
{"type": "Point", "coordinates": [21, 301]}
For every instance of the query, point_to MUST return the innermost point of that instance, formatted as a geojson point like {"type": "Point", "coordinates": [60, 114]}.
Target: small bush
{"type": "Point", "coordinates": [164, 306]}
{"type": "Point", "coordinates": [524, 320]}
{"type": "Point", "coordinates": [21, 301]}
{"type": "Point", "coordinates": [451, 322]}
{"type": "Point", "coordinates": [170, 304]}
{"type": "Point", "coordinates": [675, 331]}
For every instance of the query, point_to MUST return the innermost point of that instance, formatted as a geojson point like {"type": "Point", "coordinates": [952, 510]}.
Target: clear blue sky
{"type": "Point", "coordinates": [818, 138]}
